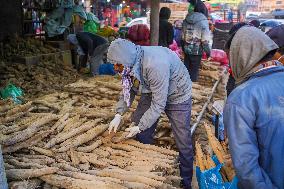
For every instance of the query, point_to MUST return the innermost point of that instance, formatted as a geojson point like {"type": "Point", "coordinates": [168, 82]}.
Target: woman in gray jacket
{"type": "Point", "coordinates": [156, 71]}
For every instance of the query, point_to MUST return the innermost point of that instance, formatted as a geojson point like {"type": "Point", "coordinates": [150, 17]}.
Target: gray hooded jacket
{"type": "Point", "coordinates": [196, 34]}
{"type": "Point", "coordinates": [160, 71]}
{"type": "Point", "coordinates": [248, 47]}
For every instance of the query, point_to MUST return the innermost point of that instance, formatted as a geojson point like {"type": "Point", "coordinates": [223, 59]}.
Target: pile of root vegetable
{"type": "Point", "coordinates": [61, 140]}
{"type": "Point", "coordinates": [17, 46]}
{"type": "Point", "coordinates": [50, 75]}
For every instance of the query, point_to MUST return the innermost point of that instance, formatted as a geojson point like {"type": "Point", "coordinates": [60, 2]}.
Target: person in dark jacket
{"type": "Point", "coordinates": [231, 81]}
{"type": "Point", "coordinates": [89, 46]}
{"type": "Point", "coordinates": [253, 114]}
{"type": "Point", "coordinates": [166, 30]}
{"type": "Point", "coordinates": [277, 35]}
{"type": "Point", "coordinates": [195, 40]}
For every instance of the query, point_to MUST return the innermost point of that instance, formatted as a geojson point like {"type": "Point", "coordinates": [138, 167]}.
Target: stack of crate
{"type": "Point", "coordinates": [179, 10]}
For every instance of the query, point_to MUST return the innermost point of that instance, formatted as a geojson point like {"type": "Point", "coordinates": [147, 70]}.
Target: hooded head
{"type": "Point", "coordinates": [165, 13]}
{"type": "Point", "coordinates": [122, 52]}
{"type": "Point", "coordinates": [248, 47]}
{"type": "Point", "coordinates": [126, 53]}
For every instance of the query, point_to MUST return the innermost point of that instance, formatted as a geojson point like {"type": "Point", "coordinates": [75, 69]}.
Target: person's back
{"type": "Point", "coordinates": [196, 34]}
{"type": "Point", "coordinates": [89, 41]}
{"type": "Point", "coordinates": [166, 30]}
{"type": "Point", "coordinates": [264, 109]}
{"type": "Point", "coordinates": [253, 115]}
{"type": "Point", "coordinates": [165, 61]}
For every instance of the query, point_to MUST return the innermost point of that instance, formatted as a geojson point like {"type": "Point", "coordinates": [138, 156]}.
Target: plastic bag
{"type": "Point", "coordinates": [11, 91]}
{"type": "Point", "coordinates": [90, 26]}
{"type": "Point", "coordinates": [212, 179]}
{"type": "Point", "coordinates": [174, 47]}
{"type": "Point", "coordinates": [219, 56]}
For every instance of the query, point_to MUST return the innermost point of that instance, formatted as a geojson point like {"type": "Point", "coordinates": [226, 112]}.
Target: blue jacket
{"type": "Point", "coordinates": [254, 119]}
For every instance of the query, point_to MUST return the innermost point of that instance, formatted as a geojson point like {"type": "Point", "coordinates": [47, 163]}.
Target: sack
{"type": "Point", "coordinates": [220, 56]}
{"type": "Point", "coordinates": [174, 47]}
{"type": "Point", "coordinates": [11, 91]}
{"type": "Point", "coordinates": [212, 178]}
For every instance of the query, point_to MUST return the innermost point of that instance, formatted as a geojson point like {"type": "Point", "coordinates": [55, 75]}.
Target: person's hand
{"type": "Point", "coordinates": [114, 123]}
{"type": "Point", "coordinates": [132, 131]}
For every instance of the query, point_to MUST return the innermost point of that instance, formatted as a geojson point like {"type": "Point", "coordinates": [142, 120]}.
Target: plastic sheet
{"type": "Point", "coordinates": [11, 91]}
{"type": "Point", "coordinates": [219, 56]}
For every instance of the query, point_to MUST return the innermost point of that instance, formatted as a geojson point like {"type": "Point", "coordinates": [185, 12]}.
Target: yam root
{"type": "Point", "coordinates": [26, 184]}
{"type": "Point", "coordinates": [70, 183]}
{"type": "Point", "coordinates": [30, 142]}
{"type": "Point", "coordinates": [22, 174]}
{"type": "Point", "coordinates": [130, 178]}
{"type": "Point", "coordinates": [83, 138]}
{"type": "Point", "coordinates": [91, 147]}
{"type": "Point", "coordinates": [29, 132]}
{"type": "Point", "coordinates": [199, 156]}
{"type": "Point", "coordinates": [64, 136]}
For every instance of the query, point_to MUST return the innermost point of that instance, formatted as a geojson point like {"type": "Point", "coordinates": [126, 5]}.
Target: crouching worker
{"type": "Point", "coordinates": [155, 71]}
{"type": "Point", "coordinates": [90, 47]}
{"type": "Point", "coordinates": [253, 114]}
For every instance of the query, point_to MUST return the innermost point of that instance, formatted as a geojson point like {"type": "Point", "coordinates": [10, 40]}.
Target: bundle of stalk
{"type": "Point", "coordinates": [220, 149]}
{"type": "Point", "coordinates": [38, 79]}
{"type": "Point", "coordinates": [61, 140]}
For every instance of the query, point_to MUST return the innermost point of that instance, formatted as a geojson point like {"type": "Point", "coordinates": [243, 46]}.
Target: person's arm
{"type": "Point", "coordinates": [159, 85]}
{"type": "Point", "coordinates": [121, 106]}
{"type": "Point", "coordinates": [86, 42]}
{"type": "Point", "coordinates": [244, 148]}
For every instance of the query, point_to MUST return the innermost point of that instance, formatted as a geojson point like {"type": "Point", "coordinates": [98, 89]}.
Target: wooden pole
{"type": "Point", "coordinates": [205, 106]}
{"type": "Point", "coordinates": [154, 21]}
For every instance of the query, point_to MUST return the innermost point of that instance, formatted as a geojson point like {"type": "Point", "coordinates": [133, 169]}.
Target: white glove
{"type": "Point", "coordinates": [132, 131]}
{"type": "Point", "coordinates": [114, 123]}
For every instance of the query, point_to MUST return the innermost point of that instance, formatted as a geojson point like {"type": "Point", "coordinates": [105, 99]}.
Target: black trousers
{"type": "Point", "coordinates": [230, 85]}
{"type": "Point", "coordinates": [192, 63]}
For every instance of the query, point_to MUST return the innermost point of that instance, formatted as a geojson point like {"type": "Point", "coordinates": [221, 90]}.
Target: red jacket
{"type": "Point", "coordinates": [139, 34]}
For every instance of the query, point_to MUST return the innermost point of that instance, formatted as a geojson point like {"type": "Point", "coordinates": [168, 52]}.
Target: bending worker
{"type": "Point", "coordinates": [158, 71]}
{"type": "Point", "coordinates": [90, 47]}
